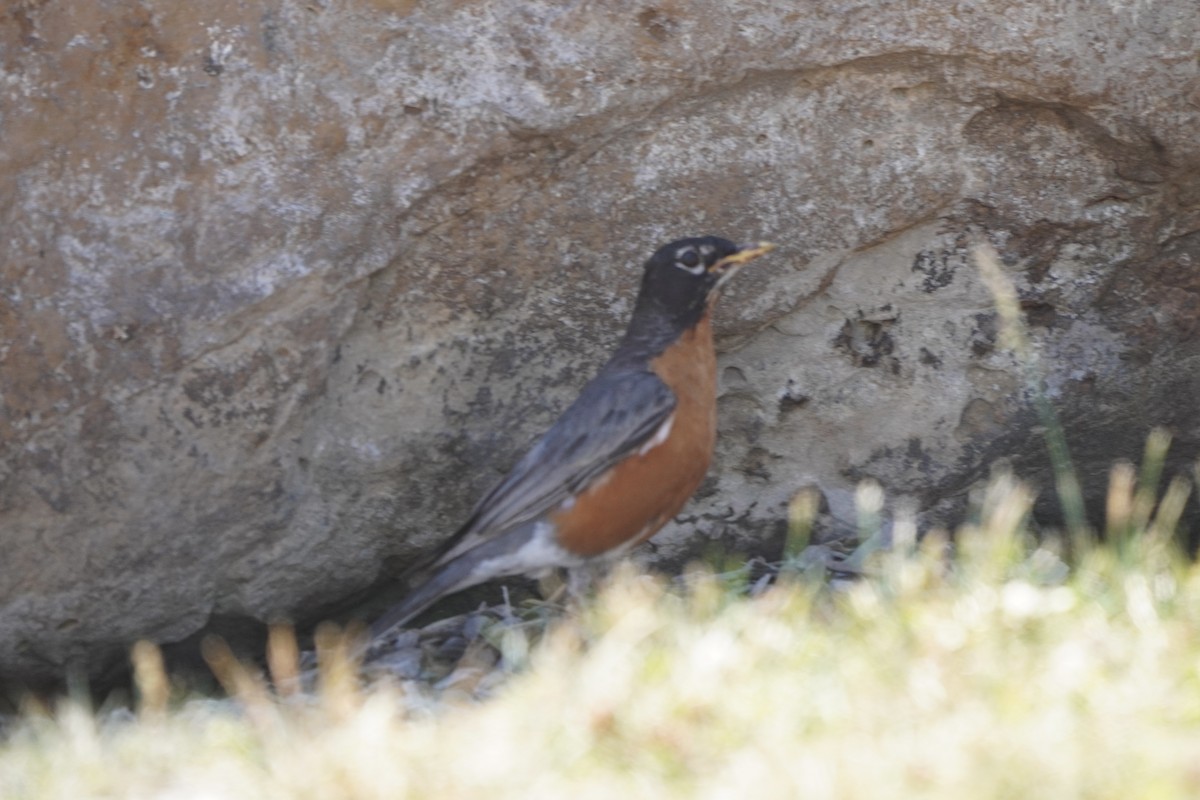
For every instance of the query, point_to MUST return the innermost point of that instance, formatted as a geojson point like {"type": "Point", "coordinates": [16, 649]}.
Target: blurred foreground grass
{"type": "Point", "coordinates": [1010, 670]}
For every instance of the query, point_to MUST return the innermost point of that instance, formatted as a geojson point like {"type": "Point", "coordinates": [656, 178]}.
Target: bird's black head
{"type": "Point", "coordinates": [680, 282]}
{"type": "Point", "coordinates": [682, 278]}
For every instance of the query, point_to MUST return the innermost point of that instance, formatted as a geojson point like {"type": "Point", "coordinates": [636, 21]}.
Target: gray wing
{"type": "Point", "coordinates": [615, 414]}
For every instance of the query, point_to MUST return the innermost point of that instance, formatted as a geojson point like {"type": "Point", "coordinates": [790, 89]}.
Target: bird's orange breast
{"type": "Point", "coordinates": [630, 502]}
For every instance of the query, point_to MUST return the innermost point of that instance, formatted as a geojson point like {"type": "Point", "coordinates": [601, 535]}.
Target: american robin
{"type": "Point", "coordinates": [624, 457]}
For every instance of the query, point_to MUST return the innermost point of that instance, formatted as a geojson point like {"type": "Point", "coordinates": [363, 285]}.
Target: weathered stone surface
{"type": "Point", "coordinates": [286, 284]}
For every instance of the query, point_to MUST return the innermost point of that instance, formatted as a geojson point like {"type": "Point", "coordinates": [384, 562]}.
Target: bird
{"type": "Point", "coordinates": [622, 460]}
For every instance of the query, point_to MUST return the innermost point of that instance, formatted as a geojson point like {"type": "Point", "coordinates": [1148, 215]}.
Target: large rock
{"type": "Point", "coordinates": [286, 285]}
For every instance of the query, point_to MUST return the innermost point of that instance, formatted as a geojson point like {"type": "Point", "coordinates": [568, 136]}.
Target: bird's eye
{"type": "Point", "coordinates": [688, 258]}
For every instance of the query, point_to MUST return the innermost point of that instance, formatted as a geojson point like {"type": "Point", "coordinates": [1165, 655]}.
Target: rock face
{"type": "Point", "coordinates": [286, 285]}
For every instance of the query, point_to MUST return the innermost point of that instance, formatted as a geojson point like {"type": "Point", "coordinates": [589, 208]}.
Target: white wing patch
{"type": "Point", "coordinates": [659, 436]}
{"type": "Point", "coordinates": [538, 554]}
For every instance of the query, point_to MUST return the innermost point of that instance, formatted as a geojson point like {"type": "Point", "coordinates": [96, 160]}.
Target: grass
{"type": "Point", "coordinates": [1007, 671]}
{"type": "Point", "coordinates": [1004, 665]}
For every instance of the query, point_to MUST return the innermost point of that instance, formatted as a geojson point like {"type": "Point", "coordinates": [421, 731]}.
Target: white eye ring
{"type": "Point", "coordinates": [696, 269]}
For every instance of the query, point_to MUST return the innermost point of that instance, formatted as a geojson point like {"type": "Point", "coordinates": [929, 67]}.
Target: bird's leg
{"type": "Point", "coordinates": [580, 582]}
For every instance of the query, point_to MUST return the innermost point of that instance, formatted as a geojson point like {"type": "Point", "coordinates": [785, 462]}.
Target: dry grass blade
{"type": "Point", "coordinates": [337, 670]}
{"type": "Point", "coordinates": [802, 510]}
{"type": "Point", "coordinates": [238, 681]}
{"type": "Point", "coordinates": [283, 659]}
{"type": "Point", "coordinates": [1014, 334]}
{"type": "Point", "coordinates": [1118, 507]}
{"type": "Point", "coordinates": [1170, 509]}
{"type": "Point", "coordinates": [150, 679]}
{"type": "Point", "coordinates": [1158, 442]}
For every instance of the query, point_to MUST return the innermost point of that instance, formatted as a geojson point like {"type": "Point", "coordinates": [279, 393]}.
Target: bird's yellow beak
{"type": "Point", "coordinates": [747, 253]}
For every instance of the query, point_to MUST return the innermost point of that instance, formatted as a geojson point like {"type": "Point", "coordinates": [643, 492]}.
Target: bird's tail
{"type": "Point", "coordinates": [448, 579]}
{"type": "Point", "coordinates": [475, 566]}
